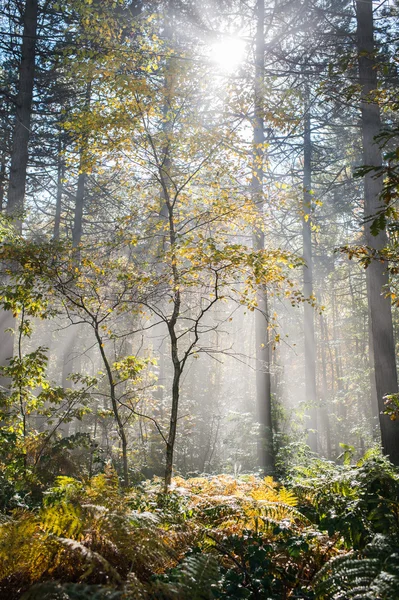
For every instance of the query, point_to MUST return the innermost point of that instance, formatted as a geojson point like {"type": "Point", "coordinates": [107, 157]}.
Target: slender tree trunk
{"type": "Point", "coordinates": [79, 204]}
{"type": "Point", "coordinates": [377, 277]}
{"type": "Point", "coordinates": [263, 379]}
{"type": "Point", "coordinates": [324, 412]}
{"type": "Point", "coordinates": [308, 324]}
{"type": "Point", "coordinates": [77, 230]}
{"type": "Point", "coordinates": [170, 445]}
{"type": "Point", "coordinates": [171, 323]}
{"type": "Point", "coordinates": [169, 241]}
{"type": "Point", "coordinates": [115, 408]}
{"type": "Point", "coordinates": [60, 177]}
{"type": "Point", "coordinates": [177, 363]}
{"type": "Point", "coordinates": [338, 358]}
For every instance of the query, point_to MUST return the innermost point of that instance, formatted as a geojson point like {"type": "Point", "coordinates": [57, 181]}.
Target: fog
{"type": "Point", "coordinates": [190, 205]}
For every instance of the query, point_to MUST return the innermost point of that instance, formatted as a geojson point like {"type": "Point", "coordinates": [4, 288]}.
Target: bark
{"type": "Point", "coordinates": [337, 361]}
{"type": "Point", "coordinates": [263, 379]}
{"type": "Point", "coordinates": [377, 277]}
{"type": "Point", "coordinates": [309, 329]}
{"type": "Point", "coordinates": [324, 412]}
{"type": "Point", "coordinates": [79, 204]}
{"type": "Point", "coordinates": [77, 230]}
{"type": "Point", "coordinates": [169, 241]}
{"type": "Point", "coordinates": [19, 157]}
{"type": "Point", "coordinates": [60, 177]}
{"type": "Point", "coordinates": [115, 407]}
{"type": "Point", "coordinates": [21, 135]}
{"type": "Point", "coordinates": [170, 445]}
{"type": "Point", "coordinates": [176, 362]}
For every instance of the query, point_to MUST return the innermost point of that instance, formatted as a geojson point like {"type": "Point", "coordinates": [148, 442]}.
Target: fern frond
{"type": "Point", "coordinates": [373, 574]}
{"type": "Point", "coordinates": [193, 579]}
{"type": "Point", "coordinates": [52, 590]}
{"type": "Point", "coordinates": [63, 519]}
{"type": "Point", "coordinates": [94, 562]}
{"type": "Point", "coordinates": [282, 512]}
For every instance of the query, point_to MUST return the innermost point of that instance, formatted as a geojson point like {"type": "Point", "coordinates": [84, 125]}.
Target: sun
{"type": "Point", "coordinates": [228, 53]}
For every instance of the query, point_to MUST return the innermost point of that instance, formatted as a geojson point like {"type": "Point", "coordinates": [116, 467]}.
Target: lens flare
{"type": "Point", "coordinates": [227, 54]}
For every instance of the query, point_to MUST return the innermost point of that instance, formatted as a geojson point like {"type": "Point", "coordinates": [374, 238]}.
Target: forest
{"type": "Point", "coordinates": [199, 299]}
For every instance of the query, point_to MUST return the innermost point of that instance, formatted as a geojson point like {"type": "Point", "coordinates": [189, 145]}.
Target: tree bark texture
{"type": "Point", "coordinates": [377, 277]}
{"type": "Point", "coordinates": [60, 177]}
{"type": "Point", "coordinates": [308, 325]}
{"type": "Point", "coordinates": [19, 156]}
{"type": "Point", "coordinates": [263, 378]}
{"type": "Point", "coordinates": [77, 230]}
{"type": "Point", "coordinates": [21, 135]}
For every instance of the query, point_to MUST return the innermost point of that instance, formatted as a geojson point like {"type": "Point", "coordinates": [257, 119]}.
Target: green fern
{"type": "Point", "coordinates": [370, 575]}
{"type": "Point", "coordinates": [194, 579]}
{"type": "Point", "coordinates": [52, 590]}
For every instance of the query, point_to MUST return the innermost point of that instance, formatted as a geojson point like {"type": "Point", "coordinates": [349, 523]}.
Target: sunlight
{"type": "Point", "coordinates": [228, 53]}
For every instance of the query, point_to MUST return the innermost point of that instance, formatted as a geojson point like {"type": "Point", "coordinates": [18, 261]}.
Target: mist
{"type": "Point", "coordinates": [199, 298]}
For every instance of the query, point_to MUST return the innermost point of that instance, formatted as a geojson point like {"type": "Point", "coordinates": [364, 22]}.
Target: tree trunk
{"type": "Point", "coordinates": [324, 412]}
{"type": "Point", "coordinates": [82, 178]}
{"type": "Point", "coordinates": [19, 157]}
{"type": "Point", "coordinates": [115, 408]}
{"type": "Point", "coordinates": [263, 380]}
{"type": "Point", "coordinates": [20, 141]}
{"type": "Point", "coordinates": [60, 177]}
{"type": "Point", "coordinates": [170, 446]}
{"type": "Point", "coordinates": [79, 204]}
{"type": "Point", "coordinates": [377, 277]}
{"type": "Point", "coordinates": [308, 325]}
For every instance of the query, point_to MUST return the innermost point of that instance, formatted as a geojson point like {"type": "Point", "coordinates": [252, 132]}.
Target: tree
{"type": "Point", "coordinates": [308, 324]}
{"type": "Point", "coordinates": [21, 135]}
{"type": "Point", "coordinates": [377, 275]}
{"type": "Point", "coordinates": [263, 377]}
{"type": "Point", "coordinates": [19, 152]}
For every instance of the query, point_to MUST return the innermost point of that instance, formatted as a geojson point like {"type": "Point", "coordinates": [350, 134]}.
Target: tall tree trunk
{"type": "Point", "coordinates": [377, 277]}
{"type": "Point", "coordinates": [308, 324]}
{"type": "Point", "coordinates": [324, 385]}
{"type": "Point", "coordinates": [21, 135]}
{"type": "Point", "coordinates": [170, 445]}
{"type": "Point", "coordinates": [79, 204]}
{"type": "Point", "coordinates": [171, 323]}
{"type": "Point", "coordinates": [77, 230]}
{"type": "Point", "coordinates": [115, 407]}
{"type": "Point", "coordinates": [19, 156]}
{"type": "Point", "coordinates": [60, 177]}
{"type": "Point", "coordinates": [263, 379]}
{"type": "Point", "coordinates": [169, 240]}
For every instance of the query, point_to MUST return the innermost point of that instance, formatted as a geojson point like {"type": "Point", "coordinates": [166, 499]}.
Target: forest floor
{"type": "Point", "coordinates": [328, 532]}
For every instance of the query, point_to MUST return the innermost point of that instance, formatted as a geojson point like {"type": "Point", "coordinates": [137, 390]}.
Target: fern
{"type": "Point", "coordinates": [370, 575]}
{"type": "Point", "coordinates": [211, 537]}
{"type": "Point", "coordinates": [80, 541]}
{"type": "Point", "coordinates": [195, 578]}
{"type": "Point", "coordinates": [355, 501]}
{"type": "Point", "coordinates": [63, 519]}
{"type": "Point", "coordinates": [70, 591]}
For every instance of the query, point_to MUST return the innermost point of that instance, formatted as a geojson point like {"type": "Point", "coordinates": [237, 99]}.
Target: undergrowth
{"type": "Point", "coordinates": [331, 532]}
